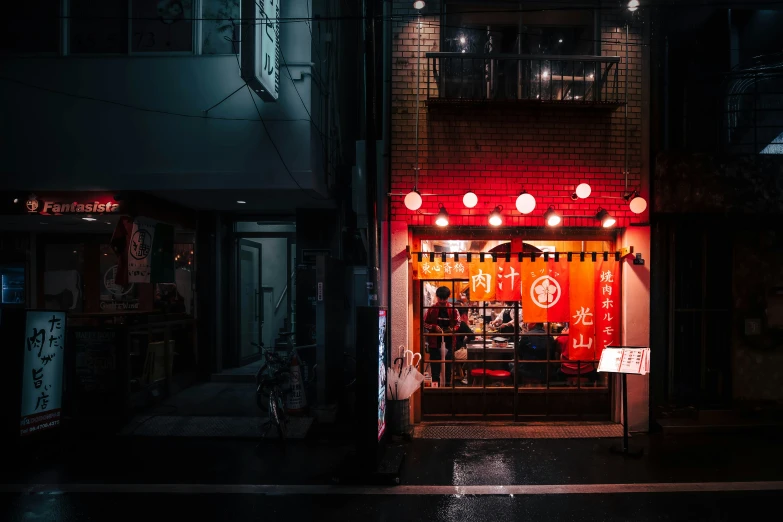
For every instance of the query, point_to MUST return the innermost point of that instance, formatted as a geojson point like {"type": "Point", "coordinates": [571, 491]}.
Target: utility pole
{"type": "Point", "coordinates": [370, 103]}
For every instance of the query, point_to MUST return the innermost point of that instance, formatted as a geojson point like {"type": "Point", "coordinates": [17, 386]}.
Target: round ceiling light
{"type": "Point", "coordinates": [526, 203]}
{"type": "Point", "coordinates": [470, 200]}
{"type": "Point", "coordinates": [583, 191]}
{"type": "Point", "coordinates": [413, 200]}
{"type": "Point", "coordinates": [638, 205]}
{"type": "Point", "coordinates": [419, 4]}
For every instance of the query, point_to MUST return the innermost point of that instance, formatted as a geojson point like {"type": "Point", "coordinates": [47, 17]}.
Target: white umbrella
{"type": "Point", "coordinates": [411, 377]}
{"type": "Point", "coordinates": [393, 383]}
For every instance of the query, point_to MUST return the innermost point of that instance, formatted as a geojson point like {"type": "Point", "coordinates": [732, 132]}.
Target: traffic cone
{"type": "Point", "coordinates": [296, 399]}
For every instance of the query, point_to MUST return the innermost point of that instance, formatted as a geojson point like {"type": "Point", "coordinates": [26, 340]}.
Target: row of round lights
{"type": "Point", "coordinates": [526, 203]}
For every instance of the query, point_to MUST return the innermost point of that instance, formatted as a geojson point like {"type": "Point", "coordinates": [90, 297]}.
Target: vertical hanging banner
{"type": "Point", "coordinates": [482, 279]}
{"type": "Point", "coordinates": [582, 310]}
{"type": "Point", "coordinates": [559, 290]}
{"type": "Point", "coordinates": [508, 280]}
{"type": "Point", "coordinates": [544, 289]}
{"type": "Point", "coordinates": [607, 305]}
{"type": "Point", "coordinates": [42, 378]}
{"type": "Point", "coordinates": [140, 251]}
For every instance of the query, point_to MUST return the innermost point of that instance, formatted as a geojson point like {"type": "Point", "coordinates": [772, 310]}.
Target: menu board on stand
{"type": "Point", "coordinates": [624, 360]}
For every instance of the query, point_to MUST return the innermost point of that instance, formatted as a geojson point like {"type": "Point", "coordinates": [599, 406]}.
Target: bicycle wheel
{"type": "Point", "coordinates": [277, 413]}
{"type": "Point", "coordinates": [263, 391]}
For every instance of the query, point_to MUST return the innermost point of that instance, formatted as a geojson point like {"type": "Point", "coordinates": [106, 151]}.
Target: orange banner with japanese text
{"type": "Point", "coordinates": [508, 280]}
{"type": "Point", "coordinates": [559, 278]}
{"type": "Point", "coordinates": [482, 277]}
{"type": "Point", "coordinates": [582, 310]}
{"type": "Point", "coordinates": [431, 269]}
{"type": "Point", "coordinates": [607, 304]}
{"type": "Point", "coordinates": [535, 292]}
{"type": "Point", "coordinates": [545, 288]}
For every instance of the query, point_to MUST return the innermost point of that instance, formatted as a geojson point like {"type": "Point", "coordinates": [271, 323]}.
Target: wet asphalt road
{"type": "Point", "coordinates": [366, 508]}
{"type": "Point", "coordinates": [428, 463]}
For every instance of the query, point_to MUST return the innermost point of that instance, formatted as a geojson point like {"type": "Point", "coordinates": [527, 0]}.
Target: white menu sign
{"type": "Point", "coordinates": [42, 377]}
{"type": "Point", "coordinates": [625, 360]}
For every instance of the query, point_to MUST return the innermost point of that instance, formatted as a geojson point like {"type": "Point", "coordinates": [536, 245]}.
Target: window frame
{"type": "Point", "coordinates": [64, 43]}
{"type": "Point", "coordinates": [592, 5]}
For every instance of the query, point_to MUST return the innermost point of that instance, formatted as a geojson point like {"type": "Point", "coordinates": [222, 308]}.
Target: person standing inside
{"type": "Point", "coordinates": [441, 318]}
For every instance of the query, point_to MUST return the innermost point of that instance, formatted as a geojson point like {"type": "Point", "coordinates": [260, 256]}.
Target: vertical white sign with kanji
{"type": "Point", "coordinates": [267, 39]}
{"type": "Point", "coordinates": [140, 251]}
{"type": "Point", "coordinates": [42, 377]}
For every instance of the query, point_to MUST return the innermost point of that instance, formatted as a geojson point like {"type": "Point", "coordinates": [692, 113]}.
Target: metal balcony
{"type": "Point", "coordinates": [581, 81]}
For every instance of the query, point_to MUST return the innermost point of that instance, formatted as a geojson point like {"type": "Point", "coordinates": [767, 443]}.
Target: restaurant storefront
{"type": "Point", "coordinates": [519, 182]}
{"type": "Point", "coordinates": [511, 322]}
{"type": "Point", "coordinates": [122, 268]}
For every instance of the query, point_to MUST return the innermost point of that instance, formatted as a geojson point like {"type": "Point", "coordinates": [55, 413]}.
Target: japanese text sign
{"type": "Point", "coordinates": [482, 277]}
{"type": "Point", "coordinates": [583, 311]}
{"type": "Point", "coordinates": [42, 375]}
{"type": "Point", "coordinates": [140, 251]}
{"type": "Point", "coordinates": [607, 301]}
{"type": "Point", "coordinates": [260, 48]}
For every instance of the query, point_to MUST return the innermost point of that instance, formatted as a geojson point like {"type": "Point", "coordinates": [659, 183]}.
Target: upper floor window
{"type": "Point", "coordinates": [514, 27]}
{"type": "Point", "coordinates": [121, 27]}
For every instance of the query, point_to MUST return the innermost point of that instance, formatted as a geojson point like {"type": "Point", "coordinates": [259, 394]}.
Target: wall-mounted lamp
{"type": "Point", "coordinates": [469, 199]}
{"type": "Point", "coordinates": [582, 191]}
{"type": "Point", "coordinates": [495, 218]}
{"type": "Point", "coordinates": [442, 220]}
{"type": "Point", "coordinates": [637, 203]}
{"type": "Point", "coordinates": [605, 218]}
{"type": "Point", "coordinates": [413, 200]}
{"type": "Point", "coordinates": [552, 218]}
{"type": "Point", "coordinates": [526, 203]}
{"type": "Point", "coordinates": [419, 4]}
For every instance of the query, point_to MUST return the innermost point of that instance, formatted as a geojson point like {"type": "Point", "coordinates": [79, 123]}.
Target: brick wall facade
{"type": "Point", "coordinates": [496, 152]}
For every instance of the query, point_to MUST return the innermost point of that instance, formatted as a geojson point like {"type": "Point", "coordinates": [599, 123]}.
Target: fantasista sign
{"type": "Point", "coordinates": [48, 206]}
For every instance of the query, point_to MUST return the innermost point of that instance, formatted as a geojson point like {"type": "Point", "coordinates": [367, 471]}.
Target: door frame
{"type": "Point", "coordinates": [232, 357]}
{"type": "Point", "coordinates": [241, 361]}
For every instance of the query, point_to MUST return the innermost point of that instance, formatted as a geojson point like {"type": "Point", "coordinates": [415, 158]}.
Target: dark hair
{"type": "Point", "coordinates": [443, 292]}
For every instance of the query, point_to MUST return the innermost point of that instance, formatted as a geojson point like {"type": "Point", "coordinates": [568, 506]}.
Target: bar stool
{"type": "Point", "coordinates": [477, 373]}
{"type": "Point", "coordinates": [498, 375]}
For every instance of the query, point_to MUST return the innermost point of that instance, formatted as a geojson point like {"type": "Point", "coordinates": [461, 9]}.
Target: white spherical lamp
{"type": "Point", "coordinates": [583, 191]}
{"type": "Point", "coordinates": [470, 200]}
{"type": "Point", "coordinates": [526, 203]}
{"type": "Point", "coordinates": [638, 205]}
{"type": "Point", "coordinates": [413, 200]}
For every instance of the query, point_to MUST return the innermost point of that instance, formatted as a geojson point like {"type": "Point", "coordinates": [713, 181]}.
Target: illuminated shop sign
{"type": "Point", "coordinates": [47, 206]}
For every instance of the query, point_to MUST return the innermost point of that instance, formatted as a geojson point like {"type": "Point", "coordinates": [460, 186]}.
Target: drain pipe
{"type": "Point", "coordinates": [370, 148]}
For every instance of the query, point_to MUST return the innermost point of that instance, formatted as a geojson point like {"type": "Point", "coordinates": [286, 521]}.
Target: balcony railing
{"type": "Point", "coordinates": [572, 80]}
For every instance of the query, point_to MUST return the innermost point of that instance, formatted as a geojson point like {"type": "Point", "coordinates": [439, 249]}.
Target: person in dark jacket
{"type": "Point", "coordinates": [534, 345]}
{"type": "Point", "coordinates": [441, 318]}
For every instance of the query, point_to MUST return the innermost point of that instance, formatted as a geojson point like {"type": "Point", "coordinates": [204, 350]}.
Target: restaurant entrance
{"type": "Point", "coordinates": [512, 330]}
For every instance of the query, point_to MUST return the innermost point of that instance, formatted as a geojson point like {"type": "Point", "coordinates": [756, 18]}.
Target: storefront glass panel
{"type": "Point", "coordinates": [482, 357]}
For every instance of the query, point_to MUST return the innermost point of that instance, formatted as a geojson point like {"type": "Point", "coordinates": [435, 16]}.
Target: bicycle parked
{"type": "Point", "coordinates": [272, 381]}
